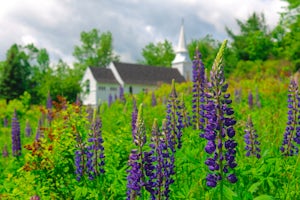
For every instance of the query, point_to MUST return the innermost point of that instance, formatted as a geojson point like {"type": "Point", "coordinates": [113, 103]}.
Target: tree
{"type": "Point", "coordinates": [160, 54]}
{"type": "Point", "coordinates": [254, 42]}
{"type": "Point", "coordinates": [15, 74]}
{"type": "Point", "coordinates": [207, 46]}
{"type": "Point", "coordinates": [95, 50]}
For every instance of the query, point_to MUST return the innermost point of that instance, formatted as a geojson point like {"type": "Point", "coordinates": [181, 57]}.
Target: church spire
{"type": "Point", "coordinates": [182, 59]}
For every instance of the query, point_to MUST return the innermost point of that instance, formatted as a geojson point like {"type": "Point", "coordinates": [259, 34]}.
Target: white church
{"type": "Point", "coordinates": [101, 82]}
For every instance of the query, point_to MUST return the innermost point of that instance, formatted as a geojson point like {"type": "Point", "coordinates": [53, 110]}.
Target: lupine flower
{"type": "Point", "coordinates": [153, 99]}
{"type": "Point", "coordinates": [136, 172]}
{"type": "Point", "coordinates": [121, 94]}
{"type": "Point", "coordinates": [95, 151]}
{"type": "Point", "coordinates": [5, 122]}
{"type": "Point", "coordinates": [237, 95]}
{"type": "Point", "coordinates": [292, 131]}
{"type": "Point", "coordinates": [28, 129]}
{"type": "Point", "coordinates": [90, 112]}
{"type": "Point", "coordinates": [250, 100]}
{"type": "Point", "coordinates": [110, 100]}
{"type": "Point", "coordinates": [219, 130]}
{"type": "Point", "coordinates": [174, 119]}
{"type": "Point", "coordinates": [39, 132]}
{"type": "Point", "coordinates": [134, 116]}
{"type": "Point", "coordinates": [80, 158]}
{"type": "Point", "coordinates": [257, 98]}
{"type": "Point", "coordinates": [198, 92]}
{"type": "Point", "coordinates": [49, 101]}
{"type": "Point", "coordinates": [4, 151]}
{"type": "Point", "coordinates": [16, 138]}
{"type": "Point", "coordinates": [252, 145]}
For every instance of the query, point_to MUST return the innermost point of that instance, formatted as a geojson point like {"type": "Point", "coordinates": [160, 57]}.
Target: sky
{"type": "Point", "coordinates": [56, 24]}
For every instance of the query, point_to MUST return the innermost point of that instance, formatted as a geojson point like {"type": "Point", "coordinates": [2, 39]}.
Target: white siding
{"type": "Point", "coordinates": [105, 89]}
{"type": "Point", "coordinates": [138, 88]}
{"type": "Point", "coordinates": [90, 98]}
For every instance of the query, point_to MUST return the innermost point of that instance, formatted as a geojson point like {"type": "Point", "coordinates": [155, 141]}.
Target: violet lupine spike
{"type": "Point", "coordinates": [16, 136]}
{"type": "Point", "coordinates": [153, 100]}
{"type": "Point", "coordinates": [168, 160]}
{"type": "Point", "coordinates": [110, 100]}
{"type": "Point", "coordinates": [174, 119]}
{"type": "Point", "coordinates": [121, 94]}
{"type": "Point", "coordinates": [250, 100]}
{"type": "Point", "coordinates": [35, 197]}
{"type": "Point", "coordinates": [39, 133]}
{"type": "Point", "coordinates": [198, 99]}
{"type": "Point", "coordinates": [136, 173]}
{"type": "Point", "coordinates": [292, 132]}
{"type": "Point", "coordinates": [219, 130]}
{"type": "Point", "coordinates": [80, 158]}
{"type": "Point", "coordinates": [49, 101]}
{"type": "Point", "coordinates": [5, 152]}
{"type": "Point", "coordinates": [237, 95]}
{"type": "Point", "coordinates": [28, 129]}
{"type": "Point", "coordinates": [252, 144]}
{"type": "Point", "coordinates": [134, 116]}
{"type": "Point", "coordinates": [95, 150]}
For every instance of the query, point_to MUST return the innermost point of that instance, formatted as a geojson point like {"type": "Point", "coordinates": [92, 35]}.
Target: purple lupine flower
{"type": "Point", "coordinates": [250, 100]}
{"type": "Point", "coordinates": [198, 99]}
{"type": "Point", "coordinates": [5, 122]}
{"type": "Point", "coordinates": [5, 151]}
{"type": "Point", "coordinates": [89, 111]}
{"type": "Point", "coordinates": [237, 95]}
{"type": "Point", "coordinates": [136, 172]}
{"type": "Point", "coordinates": [219, 131]}
{"type": "Point", "coordinates": [134, 116]}
{"type": "Point", "coordinates": [292, 131]}
{"type": "Point", "coordinates": [168, 160]}
{"type": "Point", "coordinates": [28, 129]}
{"type": "Point", "coordinates": [80, 158]}
{"type": "Point", "coordinates": [252, 144]}
{"type": "Point", "coordinates": [174, 119]}
{"type": "Point", "coordinates": [153, 99]}
{"type": "Point", "coordinates": [257, 99]}
{"type": "Point", "coordinates": [39, 132]}
{"type": "Point", "coordinates": [121, 94]}
{"type": "Point", "coordinates": [49, 101]}
{"type": "Point", "coordinates": [16, 135]}
{"type": "Point", "coordinates": [134, 178]}
{"type": "Point", "coordinates": [95, 151]}
{"type": "Point", "coordinates": [110, 100]}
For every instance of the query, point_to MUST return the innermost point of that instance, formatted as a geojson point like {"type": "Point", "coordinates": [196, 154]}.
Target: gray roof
{"type": "Point", "coordinates": [103, 75]}
{"type": "Point", "coordinates": [147, 75]}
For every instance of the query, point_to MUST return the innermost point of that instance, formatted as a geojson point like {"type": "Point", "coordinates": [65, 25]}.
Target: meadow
{"type": "Point", "coordinates": [53, 162]}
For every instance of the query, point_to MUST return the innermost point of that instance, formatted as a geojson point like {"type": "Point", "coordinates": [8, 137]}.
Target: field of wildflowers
{"type": "Point", "coordinates": [212, 138]}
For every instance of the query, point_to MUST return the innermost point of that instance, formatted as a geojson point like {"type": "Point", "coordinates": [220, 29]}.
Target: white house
{"type": "Point", "coordinates": [99, 83]}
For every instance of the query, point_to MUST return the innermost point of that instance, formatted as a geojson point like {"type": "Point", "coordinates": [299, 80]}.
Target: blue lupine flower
{"type": "Point", "coordinates": [110, 100]}
{"type": "Point", "coordinates": [198, 100]}
{"type": "Point", "coordinates": [153, 100]}
{"type": "Point", "coordinates": [219, 131]}
{"type": "Point", "coordinates": [252, 144]}
{"type": "Point", "coordinates": [136, 172]}
{"type": "Point", "coordinates": [250, 100]}
{"type": "Point", "coordinates": [16, 136]}
{"type": "Point", "coordinates": [174, 119]}
{"type": "Point", "coordinates": [292, 131]}
{"type": "Point", "coordinates": [95, 150]}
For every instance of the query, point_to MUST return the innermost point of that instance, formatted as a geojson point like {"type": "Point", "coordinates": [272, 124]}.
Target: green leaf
{"type": "Point", "coordinates": [228, 193]}
{"type": "Point", "coordinates": [254, 187]}
{"type": "Point", "coordinates": [263, 197]}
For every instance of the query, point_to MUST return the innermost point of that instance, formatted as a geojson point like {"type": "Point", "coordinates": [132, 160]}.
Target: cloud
{"type": "Point", "coordinates": [56, 25]}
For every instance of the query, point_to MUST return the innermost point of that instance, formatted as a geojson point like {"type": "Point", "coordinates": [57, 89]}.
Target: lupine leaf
{"type": "Point", "coordinates": [263, 197]}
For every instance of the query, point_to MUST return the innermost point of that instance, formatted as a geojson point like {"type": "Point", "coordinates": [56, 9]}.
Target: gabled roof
{"type": "Point", "coordinates": [103, 75]}
{"type": "Point", "coordinates": [147, 75]}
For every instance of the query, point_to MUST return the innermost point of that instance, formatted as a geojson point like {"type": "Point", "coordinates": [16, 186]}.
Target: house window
{"type": "Point", "coordinates": [113, 89]}
{"type": "Point", "coordinates": [130, 89]}
{"type": "Point", "coordinates": [87, 86]}
{"type": "Point", "coordinates": [101, 88]}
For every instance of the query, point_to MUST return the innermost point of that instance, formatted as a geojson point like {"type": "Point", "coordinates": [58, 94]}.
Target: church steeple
{"type": "Point", "coordinates": [182, 59]}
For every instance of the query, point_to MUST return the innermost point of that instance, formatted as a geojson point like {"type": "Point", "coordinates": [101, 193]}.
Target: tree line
{"type": "Point", "coordinates": [27, 68]}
